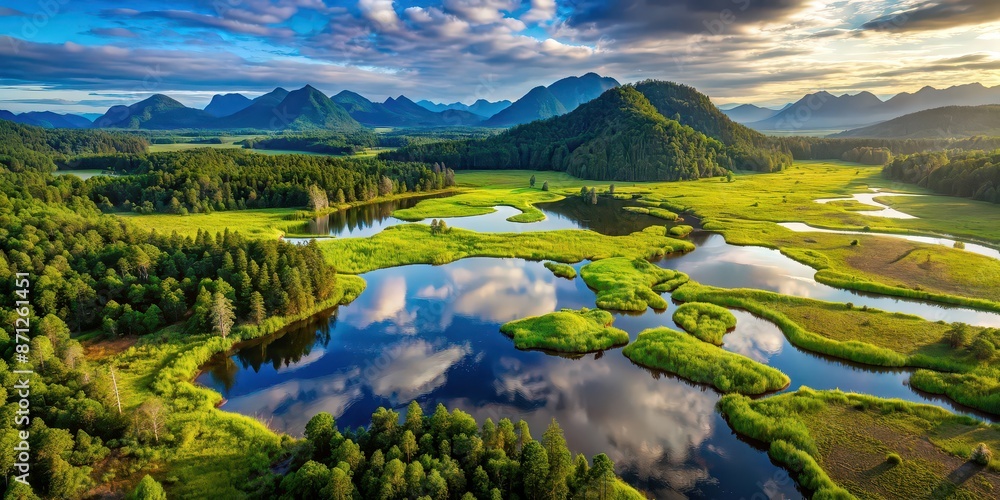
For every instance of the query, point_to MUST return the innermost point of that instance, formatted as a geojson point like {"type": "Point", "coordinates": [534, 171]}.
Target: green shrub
{"type": "Point", "coordinates": [982, 454]}
{"type": "Point", "coordinates": [708, 322]}
{"type": "Point", "coordinates": [983, 349]}
{"type": "Point", "coordinates": [893, 459]}
{"type": "Point", "coordinates": [959, 245]}
{"type": "Point", "coordinates": [855, 243]}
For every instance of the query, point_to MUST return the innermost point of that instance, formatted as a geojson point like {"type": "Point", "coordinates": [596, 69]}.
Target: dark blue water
{"type": "Point", "coordinates": [431, 334]}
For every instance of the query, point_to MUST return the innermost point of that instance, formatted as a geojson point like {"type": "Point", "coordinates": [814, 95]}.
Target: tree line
{"type": "Point", "coordinates": [207, 180]}
{"type": "Point", "coordinates": [968, 174]}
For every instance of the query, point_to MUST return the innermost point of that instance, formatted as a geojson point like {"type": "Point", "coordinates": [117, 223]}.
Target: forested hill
{"type": "Point", "coordinates": [24, 147]}
{"type": "Point", "coordinates": [969, 174]}
{"type": "Point", "coordinates": [622, 136]}
{"type": "Point", "coordinates": [938, 123]}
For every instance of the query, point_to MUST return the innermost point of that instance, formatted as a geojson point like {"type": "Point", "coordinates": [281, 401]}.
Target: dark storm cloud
{"type": "Point", "coordinates": [632, 19]}
{"type": "Point", "coordinates": [936, 15]}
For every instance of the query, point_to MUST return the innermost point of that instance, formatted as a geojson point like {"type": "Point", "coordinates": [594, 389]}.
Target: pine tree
{"type": "Point", "coordinates": [223, 316]}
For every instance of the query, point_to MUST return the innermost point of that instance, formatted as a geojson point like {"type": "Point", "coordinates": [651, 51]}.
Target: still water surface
{"type": "Point", "coordinates": [431, 334]}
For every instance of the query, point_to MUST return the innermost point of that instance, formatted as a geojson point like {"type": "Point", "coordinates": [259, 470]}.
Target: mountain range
{"type": "Point", "coordinates": [481, 107]}
{"type": "Point", "coordinates": [823, 110]}
{"type": "Point", "coordinates": [557, 99]}
{"type": "Point", "coordinates": [311, 109]}
{"type": "Point", "coordinates": [46, 119]}
{"type": "Point", "coordinates": [938, 123]}
{"type": "Point", "coordinates": [749, 113]}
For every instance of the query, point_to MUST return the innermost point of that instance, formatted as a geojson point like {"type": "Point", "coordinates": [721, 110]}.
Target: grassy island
{"type": "Point", "coordinates": [561, 270]}
{"type": "Point", "coordinates": [624, 284]}
{"type": "Point", "coordinates": [681, 231]}
{"type": "Point", "coordinates": [662, 213]}
{"type": "Point", "coordinates": [583, 331]}
{"type": "Point", "coordinates": [708, 322]}
{"type": "Point", "coordinates": [681, 354]}
{"type": "Point", "coordinates": [851, 445]}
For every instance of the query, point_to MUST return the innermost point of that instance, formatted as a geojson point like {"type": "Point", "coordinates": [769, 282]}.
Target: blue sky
{"type": "Point", "coordinates": [84, 56]}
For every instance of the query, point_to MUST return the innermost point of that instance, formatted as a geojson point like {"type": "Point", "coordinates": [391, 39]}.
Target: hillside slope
{"type": "Point", "coordinates": [618, 136]}
{"type": "Point", "coordinates": [158, 112]}
{"type": "Point", "coordinates": [939, 123]}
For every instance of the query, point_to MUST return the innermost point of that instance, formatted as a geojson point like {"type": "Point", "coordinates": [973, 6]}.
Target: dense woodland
{"type": "Point", "coordinates": [24, 147]}
{"type": "Point", "coordinates": [89, 271]}
{"type": "Point", "coordinates": [446, 455]}
{"type": "Point", "coordinates": [327, 143]}
{"type": "Point", "coordinates": [969, 174]}
{"type": "Point", "coordinates": [206, 180]}
{"type": "Point", "coordinates": [820, 148]}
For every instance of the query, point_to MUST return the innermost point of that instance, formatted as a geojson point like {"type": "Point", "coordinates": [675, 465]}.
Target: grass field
{"type": "Point", "coordinates": [879, 264]}
{"type": "Point", "coordinates": [847, 444]}
{"type": "Point", "coordinates": [567, 331]}
{"type": "Point", "coordinates": [269, 223]}
{"type": "Point", "coordinates": [686, 356]}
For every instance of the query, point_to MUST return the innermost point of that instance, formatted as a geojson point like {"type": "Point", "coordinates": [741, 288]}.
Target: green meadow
{"type": "Point", "coordinates": [850, 445]}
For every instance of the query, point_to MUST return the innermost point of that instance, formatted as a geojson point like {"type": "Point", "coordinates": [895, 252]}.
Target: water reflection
{"type": "Point", "coordinates": [431, 334]}
{"type": "Point", "coordinates": [570, 213]}
{"type": "Point", "coordinates": [718, 263]}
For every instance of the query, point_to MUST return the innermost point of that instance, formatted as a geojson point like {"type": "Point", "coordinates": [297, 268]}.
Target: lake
{"type": "Point", "coordinates": [431, 334]}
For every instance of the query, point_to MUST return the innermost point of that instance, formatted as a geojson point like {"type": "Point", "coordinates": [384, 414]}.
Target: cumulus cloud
{"type": "Point", "coordinates": [765, 51]}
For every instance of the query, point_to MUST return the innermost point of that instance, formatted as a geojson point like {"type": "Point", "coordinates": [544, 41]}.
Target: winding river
{"type": "Point", "coordinates": [431, 334]}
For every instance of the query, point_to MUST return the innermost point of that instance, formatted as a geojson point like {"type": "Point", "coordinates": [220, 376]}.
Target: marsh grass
{"type": "Point", "coordinates": [414, 244]}
{"type": "Point", "coordinates": [561, 270]}
{"type": "Point", "coordinates": [661, 213]}
{"type": "Point", "coordinates": [680, 231]}
{"type": "Point", "coordinates": [569, 331]}
{"type": "Point", "coordinates": [686, 356]}
{"type": "Point", "coordinates": [839, 444]}
{"type": "Point", "coordinates": [624, 284]}
{"type": "Point", "coordinates": [872, 337]}
{"type": "Point", "coordinates": [707, 322]}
